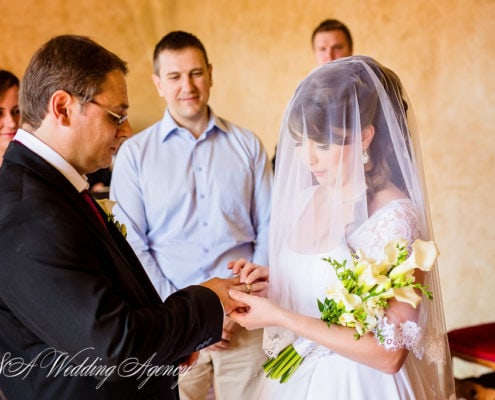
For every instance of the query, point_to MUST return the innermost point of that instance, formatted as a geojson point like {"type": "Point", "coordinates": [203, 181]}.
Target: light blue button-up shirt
{"type": "Point", "coordinates": [191, 205]}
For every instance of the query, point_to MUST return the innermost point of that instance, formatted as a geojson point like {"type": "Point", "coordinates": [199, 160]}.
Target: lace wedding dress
{"type": "Point", "coordinates": [325, 374]}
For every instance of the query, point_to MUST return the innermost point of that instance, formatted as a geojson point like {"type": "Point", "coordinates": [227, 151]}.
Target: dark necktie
{"type": "Point", "coordinates": [91, 203]}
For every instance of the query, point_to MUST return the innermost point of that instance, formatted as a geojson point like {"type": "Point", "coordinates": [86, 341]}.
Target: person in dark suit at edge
{"type": "Point", "coordinates": [79, 317]}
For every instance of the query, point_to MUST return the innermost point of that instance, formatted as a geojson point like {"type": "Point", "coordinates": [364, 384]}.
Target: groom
{"type": "Point", "coordinates": [79, 318]}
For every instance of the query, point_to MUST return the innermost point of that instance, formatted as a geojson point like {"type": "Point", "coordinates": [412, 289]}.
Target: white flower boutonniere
{"type": "Point", "coordinates": [107, 206]}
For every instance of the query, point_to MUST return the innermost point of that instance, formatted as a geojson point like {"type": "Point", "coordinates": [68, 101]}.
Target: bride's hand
{"type": "Point", "coordinates": [260, 312]}
{"type": "Point", "coordinates": [250, 273]}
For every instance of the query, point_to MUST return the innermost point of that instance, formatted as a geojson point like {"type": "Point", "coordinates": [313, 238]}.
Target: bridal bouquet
{"type": "Point", "coordinates": [362, 293]}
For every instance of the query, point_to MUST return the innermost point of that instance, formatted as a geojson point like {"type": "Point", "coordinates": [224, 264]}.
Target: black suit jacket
{"type": "Point", "coordinates": [79, 318]}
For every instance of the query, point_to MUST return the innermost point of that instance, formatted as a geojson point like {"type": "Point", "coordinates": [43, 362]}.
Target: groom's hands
{"type": "Point", "coordinates": [221, 288]}
{"type": "Point", "coordinates": [249, 278]}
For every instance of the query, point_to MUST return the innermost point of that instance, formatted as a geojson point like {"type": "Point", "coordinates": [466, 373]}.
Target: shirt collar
{"type": "Point", "coordinates": [169, 125]}
{"type": "Point", "coordinates": [53, 158]}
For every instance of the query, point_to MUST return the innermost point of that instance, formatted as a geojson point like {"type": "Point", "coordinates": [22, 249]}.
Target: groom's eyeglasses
{"type": "Point", "coordinates": [117, 118]}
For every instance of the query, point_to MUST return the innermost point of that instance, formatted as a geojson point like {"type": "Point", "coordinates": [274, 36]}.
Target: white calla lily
{"type": "Point", "coordinates": [423, 256]}
{"type": "Point", "coordinates": [407, 295]}
{"type": "Point", "coordinates": [370, 278]}
{"type": "Point", "coordinates": [392, 251]}
{"type": "Point", "coordinates": [106, 205]}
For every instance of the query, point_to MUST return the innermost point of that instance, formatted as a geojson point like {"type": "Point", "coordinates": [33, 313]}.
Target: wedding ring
{"type": "Point", "coordinates": [248, 288]}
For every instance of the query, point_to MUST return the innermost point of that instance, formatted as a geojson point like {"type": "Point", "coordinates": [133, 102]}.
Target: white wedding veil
{"type": "Point", "coordinates": [355, 115]}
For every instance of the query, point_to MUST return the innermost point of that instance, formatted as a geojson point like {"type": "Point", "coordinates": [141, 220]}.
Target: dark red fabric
{"type": "Point", "coordinates": [89, 199]}
{"type": "Point", "coordinates": [476, 341]}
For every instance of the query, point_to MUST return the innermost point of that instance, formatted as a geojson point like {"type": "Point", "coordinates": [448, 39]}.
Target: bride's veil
{"type": "Point", "coordinates": [318, 204]}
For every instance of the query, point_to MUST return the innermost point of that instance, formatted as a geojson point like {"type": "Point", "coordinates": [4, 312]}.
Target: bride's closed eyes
{"type": "Point", "coordinates": [319, 146]}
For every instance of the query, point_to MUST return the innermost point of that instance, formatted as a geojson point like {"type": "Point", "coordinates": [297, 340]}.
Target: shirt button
{"type": "Point", "coordinates": [206, 250]}
{"type": "Point", "coordinates": [201, 196]}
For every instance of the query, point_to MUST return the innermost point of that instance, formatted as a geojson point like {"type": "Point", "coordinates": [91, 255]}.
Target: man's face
{"type": "Point", "coordinates": [184, 81]}
{"type": "Point", "coordinates": [330, 45]}
{"type": "Point", "coordinates": [98, 134]}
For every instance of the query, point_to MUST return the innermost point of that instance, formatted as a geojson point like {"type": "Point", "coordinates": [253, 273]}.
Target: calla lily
{"type": "Point", "coordinates": [370, 278]}
{"type": "Point", "coordinates": [392, 251]}
{"type": "Point", "coordinates": [388, 294]}
{"type": "Point", "coordinates": [363, 261]}
{"type": "Point", "coordinates": [423, 256]}
{"type": "Point", "coordinates": [106, 205]}
{"type": "Point", "coordinates": [351, 301]}
{"type": "Point", "coordinates": [340, 294]}
{"type": "Point", "coordinates": [407, 295]}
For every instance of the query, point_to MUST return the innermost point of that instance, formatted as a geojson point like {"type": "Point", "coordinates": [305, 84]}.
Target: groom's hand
{"type": "Point", "coordinates": [221, 288]}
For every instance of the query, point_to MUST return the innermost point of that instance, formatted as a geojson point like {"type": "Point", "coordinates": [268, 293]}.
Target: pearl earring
{"type": "Point", "coordinates": [365, 157]}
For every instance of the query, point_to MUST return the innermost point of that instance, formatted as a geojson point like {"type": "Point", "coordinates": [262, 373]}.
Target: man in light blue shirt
{"type": "Point", "coordinates": [194, 192]}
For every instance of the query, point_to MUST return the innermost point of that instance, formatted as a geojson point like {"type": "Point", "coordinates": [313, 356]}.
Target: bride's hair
{"type": "Point", "coordinates": [384, 163]}
{"type": "Point", "coordinates": [322, 110]}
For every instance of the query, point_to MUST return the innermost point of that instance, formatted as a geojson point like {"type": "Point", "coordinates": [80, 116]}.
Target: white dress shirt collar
{"type": "Point", "coordinates": [40, 148]}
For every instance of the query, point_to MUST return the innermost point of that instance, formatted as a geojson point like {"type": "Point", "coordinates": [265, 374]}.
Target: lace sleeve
{"type": "Point", "coordinates": [396, 220]}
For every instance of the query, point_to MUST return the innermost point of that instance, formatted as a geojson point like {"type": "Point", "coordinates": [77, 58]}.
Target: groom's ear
{"type": "Point", "coordinates": [59, 106]}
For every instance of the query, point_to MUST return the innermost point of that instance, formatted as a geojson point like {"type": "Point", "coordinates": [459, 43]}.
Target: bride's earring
{"type": "Point", "coordinates": [365, 157]}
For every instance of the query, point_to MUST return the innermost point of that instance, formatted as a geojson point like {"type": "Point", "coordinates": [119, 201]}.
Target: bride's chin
{"type": "Point", "coordinates": [324, 181]}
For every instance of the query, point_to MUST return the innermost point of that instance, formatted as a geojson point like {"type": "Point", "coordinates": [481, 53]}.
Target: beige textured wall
{"type": "Point", "coordinates": [443, 50]}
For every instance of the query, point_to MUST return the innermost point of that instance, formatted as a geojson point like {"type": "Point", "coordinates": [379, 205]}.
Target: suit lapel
{"type": "Point", "coordinates": [110, 235]}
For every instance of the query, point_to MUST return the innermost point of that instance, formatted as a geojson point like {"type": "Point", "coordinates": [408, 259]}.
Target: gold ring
{"type": "Point", "coordinates": [248, 288]}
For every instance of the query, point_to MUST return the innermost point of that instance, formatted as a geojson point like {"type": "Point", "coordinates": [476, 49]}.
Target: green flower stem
{"type": "Point", "coordinates": [284, 365]}
{"type": "Point", "coordinates": [292, 370]}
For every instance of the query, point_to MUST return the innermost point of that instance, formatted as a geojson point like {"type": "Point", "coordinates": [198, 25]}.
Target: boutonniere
{"type": "Point", "coordinates": [107, 206]}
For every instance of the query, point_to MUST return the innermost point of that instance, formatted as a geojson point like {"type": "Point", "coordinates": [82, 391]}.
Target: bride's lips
{"type": "Point", "coordinates": [11, 134]}
{"type": "Point", "coordinates": [319, 173]}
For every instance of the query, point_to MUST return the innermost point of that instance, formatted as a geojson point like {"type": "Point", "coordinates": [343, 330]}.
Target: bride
{"type": "Point", "coordinates": [348, 178]}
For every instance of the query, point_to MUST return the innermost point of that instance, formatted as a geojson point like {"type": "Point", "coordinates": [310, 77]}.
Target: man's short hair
{"type": "Point", "coordinates": [332, 25]}
{"type": "Point", "coordinates": [72, 63]}
{"type": "Point", "coordinates": [176, 40]}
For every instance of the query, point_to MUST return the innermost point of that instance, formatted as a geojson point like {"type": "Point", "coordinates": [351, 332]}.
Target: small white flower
{"type": "Point", "coordinates": [106, 205]}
